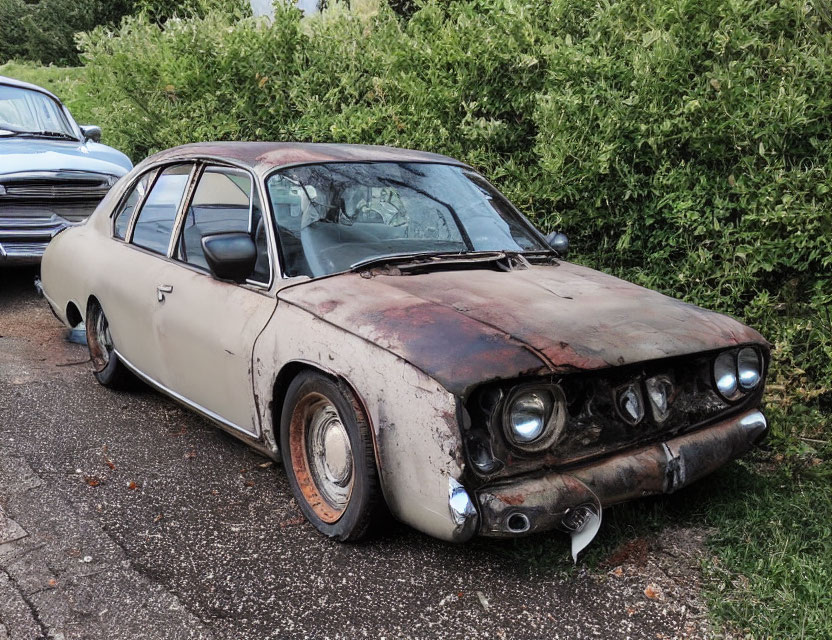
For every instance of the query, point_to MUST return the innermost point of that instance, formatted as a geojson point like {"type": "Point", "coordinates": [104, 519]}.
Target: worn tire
{"type": "Point", "coordinates": [108, 369]}
{"type": "Point", "coordinates": [305, 397]}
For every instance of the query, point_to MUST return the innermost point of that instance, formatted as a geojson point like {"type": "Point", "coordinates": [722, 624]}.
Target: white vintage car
{"type": "Point", "coordinates": [386, 323]}
{"type": "Point", "coordinates": [53, 172]}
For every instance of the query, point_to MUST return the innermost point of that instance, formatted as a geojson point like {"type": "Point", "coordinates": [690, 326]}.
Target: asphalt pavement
{"type": "Point", "coordinates": [122, 515]}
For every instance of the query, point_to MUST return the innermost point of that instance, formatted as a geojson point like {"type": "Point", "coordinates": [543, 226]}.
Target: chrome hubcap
{"type": "Point", "coordinates": [330, 453]}
{"type": "Point", "coordinates": [103, 339]}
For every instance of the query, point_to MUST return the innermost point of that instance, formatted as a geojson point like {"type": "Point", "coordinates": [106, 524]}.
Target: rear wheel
{"type": "Point", "coordinates": [109, 370]}
{"type": "Point", "coordinates": [327, 452]}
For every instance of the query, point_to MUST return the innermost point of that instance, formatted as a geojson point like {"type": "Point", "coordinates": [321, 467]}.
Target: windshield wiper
{"type": "Point", "coordinates": [13, 133]}
{"type": "Point", "coordinates": [438, 256]}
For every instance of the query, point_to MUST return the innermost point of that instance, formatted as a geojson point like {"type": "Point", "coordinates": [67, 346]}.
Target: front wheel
{"type": "Point", "coordinates": [109, 370]}
{"type": "Point", "coordinates": [327, 452]}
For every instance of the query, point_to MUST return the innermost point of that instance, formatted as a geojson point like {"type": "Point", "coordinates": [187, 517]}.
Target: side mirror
{"type": "Point", "coordinates": [559, 242]}
{"type": "Point", "coordinates": [230, 256]}
{"type": "Point", "coordinates": [91, 132]}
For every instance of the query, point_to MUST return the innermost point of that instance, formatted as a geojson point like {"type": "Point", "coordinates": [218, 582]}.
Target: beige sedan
{"type": "Point", "coordinates": [390, 327]}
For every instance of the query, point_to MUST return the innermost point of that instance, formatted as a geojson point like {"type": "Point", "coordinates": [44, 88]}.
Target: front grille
{"type": "Point", "coordinates": [69, 196]}
{"type": "Point", "coordinates": [89, 188]}
{"type": "Point", "coordinates": [74, 211]}
{"type": "Point", "coordinates": [594, 426]}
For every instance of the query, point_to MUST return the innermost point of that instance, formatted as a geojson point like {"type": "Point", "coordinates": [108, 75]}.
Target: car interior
{"type": "Point", "coordinates": [327, 233]}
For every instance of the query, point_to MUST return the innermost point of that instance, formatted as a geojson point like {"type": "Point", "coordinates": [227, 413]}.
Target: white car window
{"type": "Point", "coordinates": [155, 223]}
{"type": "Point", "coordinates": [224, 201]}
{"type": "Point", "coordinates": [122, 221]}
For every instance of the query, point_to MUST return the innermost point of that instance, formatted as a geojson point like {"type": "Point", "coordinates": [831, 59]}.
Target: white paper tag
{"type": "Point", "coordinates": [583, 536]}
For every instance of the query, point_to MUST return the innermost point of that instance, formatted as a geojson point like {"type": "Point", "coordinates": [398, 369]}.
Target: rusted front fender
{"type": "Point", "coordinates": [412, 418]}
{"type": "Point", "coordinates": [541, 503]}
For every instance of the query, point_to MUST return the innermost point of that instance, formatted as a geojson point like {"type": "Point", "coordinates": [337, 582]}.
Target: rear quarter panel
{"type": "Point", "coordinates": [65, 270]}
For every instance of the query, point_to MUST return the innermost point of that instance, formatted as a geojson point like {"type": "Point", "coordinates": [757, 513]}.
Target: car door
{"type": "Point", "coordinates": [138, 261]}
{"type": "Point", "coordinates": [208, 327]}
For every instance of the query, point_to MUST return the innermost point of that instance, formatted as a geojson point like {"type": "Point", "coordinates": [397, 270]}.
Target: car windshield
{"type": "Point", "coordinates": [333, 216]}
{"type": "Point", "coordinates": [23, 111]}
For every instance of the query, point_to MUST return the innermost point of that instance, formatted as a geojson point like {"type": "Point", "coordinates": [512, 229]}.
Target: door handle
{"type": "Point", "coordinates": [161, 290]}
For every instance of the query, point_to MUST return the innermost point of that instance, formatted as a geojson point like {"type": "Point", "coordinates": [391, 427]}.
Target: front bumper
{"type": "Point", "coordinates": [23, 240]}
{"type": "Point", "coordinates": [541, 503]}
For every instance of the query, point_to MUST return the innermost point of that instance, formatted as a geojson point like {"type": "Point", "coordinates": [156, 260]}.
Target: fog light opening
{"type": "Point", "coordinates": [518, 523]}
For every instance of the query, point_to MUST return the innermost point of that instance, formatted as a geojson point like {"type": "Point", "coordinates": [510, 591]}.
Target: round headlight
{"type": "Point", "coordinates": [534, 417]}
{"type": "Point", "coordinates": [749, 368]}
{"type": "Point", "coordinates": [528, 416]}
{"type": "Point", "coordinates": [725, 375]}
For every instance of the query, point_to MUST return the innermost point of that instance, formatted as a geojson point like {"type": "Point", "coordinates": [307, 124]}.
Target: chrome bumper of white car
{"type": "Point", "coordinates": [23, 240]}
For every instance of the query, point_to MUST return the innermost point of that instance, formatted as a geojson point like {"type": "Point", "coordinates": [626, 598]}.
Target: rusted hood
{"type": "Point", "coordinates": [468, 326]}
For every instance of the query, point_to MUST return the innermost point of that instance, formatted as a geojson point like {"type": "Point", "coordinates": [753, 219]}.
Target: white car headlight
{"type": "Point", "coordinates": [749, 368]}
{"type": "Point", "coordinates": [725, 375]}
{"type": "Point", "coordinates": [738, 372]}
{"type": "Point", "coordinates": [534, 417]}
{"type": "Point", "coordinates": [631, 403]}
{"type": "Point", "coordinates": [659, 391]}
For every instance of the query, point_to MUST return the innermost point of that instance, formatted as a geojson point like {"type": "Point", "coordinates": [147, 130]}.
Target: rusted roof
{"type": "Point", "coordinates": [265, 156]}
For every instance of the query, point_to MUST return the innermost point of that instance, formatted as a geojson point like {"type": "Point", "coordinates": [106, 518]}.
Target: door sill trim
{"type": "Point", "coordinates": [198, 408]}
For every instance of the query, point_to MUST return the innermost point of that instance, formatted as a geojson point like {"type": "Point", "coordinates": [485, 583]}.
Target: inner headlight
{"type": "Point", "coordinates": [725, 375]}
{"type": "Point", "coordinates": [631, 404]}
{"type": "Point", "coordinates": [749, 368]}
{"type": "Point", "coordinates": [659, 390]}
{"type": "Point", "coordinates": [534, 417]}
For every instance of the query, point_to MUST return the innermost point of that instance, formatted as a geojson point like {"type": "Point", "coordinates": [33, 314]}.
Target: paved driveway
{"type": "Point", "coordinates": [124, 516]}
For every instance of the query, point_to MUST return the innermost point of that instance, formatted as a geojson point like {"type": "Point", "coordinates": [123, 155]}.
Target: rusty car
{"type": "Point", "coordinates": [53, 172]}
{"type": "Point", "coordinates": [388, 326]}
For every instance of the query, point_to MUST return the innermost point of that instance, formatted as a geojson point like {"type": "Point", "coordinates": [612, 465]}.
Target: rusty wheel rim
{"type": "Point", "coordinates": [101, 345]}
{"type": "Point", "coordinates": [322, 459]}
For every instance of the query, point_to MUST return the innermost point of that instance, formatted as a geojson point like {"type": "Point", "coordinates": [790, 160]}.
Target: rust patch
{"type": "Point", "coordinates": [328, 306]}
{"type": "Point", "coordinates": [467, 327]}
{"type": "Point", "coordinates": [454, 349]}
{"type": "Point", "coordinates": [301, 471]}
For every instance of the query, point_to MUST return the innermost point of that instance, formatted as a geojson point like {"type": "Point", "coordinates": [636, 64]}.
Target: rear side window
{"type": "Point", "coordinates": [129, 206]}
{"type": "Point", "coordinates": [155, 223]}
{"type": "Point", "coordinates": [223, 201]}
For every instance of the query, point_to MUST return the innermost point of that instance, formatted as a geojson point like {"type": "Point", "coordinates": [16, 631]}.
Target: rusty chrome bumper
{"type": "Point", "coordinates": [541, 503]}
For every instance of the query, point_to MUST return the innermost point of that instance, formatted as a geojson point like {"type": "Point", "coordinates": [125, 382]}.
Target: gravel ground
{"type": "Point", "coordinates": [124, 516]}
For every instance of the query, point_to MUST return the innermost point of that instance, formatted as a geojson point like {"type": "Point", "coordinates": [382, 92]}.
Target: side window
{"type": "Point", "coordinates": [157, 215]}
{"type": "Point", "coordinates": [287, 204]}
{"type": "Point", "coordinates": [223, 202]}
{"type": "Point", "coordinates": [122, 221]}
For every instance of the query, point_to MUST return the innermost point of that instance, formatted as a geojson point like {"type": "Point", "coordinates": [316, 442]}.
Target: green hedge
{"type": "Point", "coordinates": [45, 30]}
{"type": "Point", "coordinates": [683, 144]}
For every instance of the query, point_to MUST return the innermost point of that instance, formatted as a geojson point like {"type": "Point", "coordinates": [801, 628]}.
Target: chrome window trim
{"type": "Point", "coordinates": [156, 165]}
{"type": "Point", "coordinates": [122, 201]}
{"type": "Point", "coordinates": [187, 194]}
